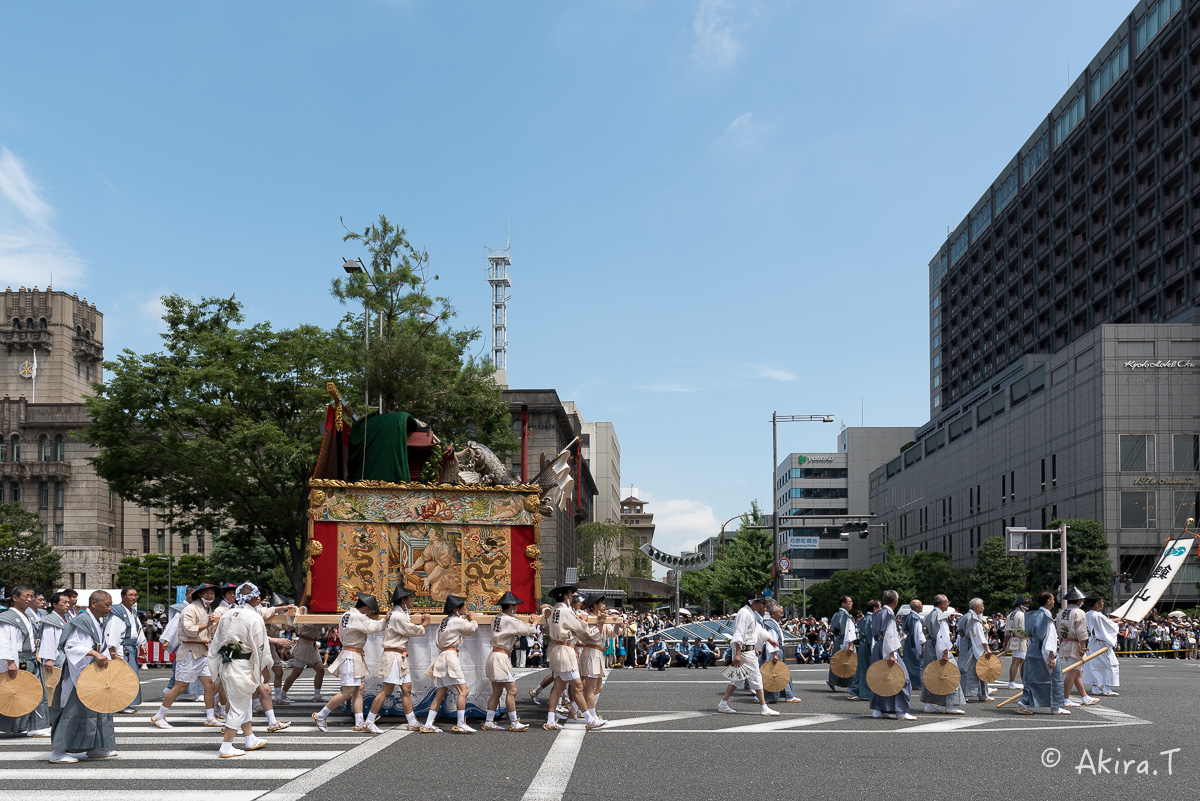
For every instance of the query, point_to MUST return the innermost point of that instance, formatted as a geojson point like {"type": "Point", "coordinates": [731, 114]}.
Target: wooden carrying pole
{"type": "Point", "coordinates": [1075, 666]}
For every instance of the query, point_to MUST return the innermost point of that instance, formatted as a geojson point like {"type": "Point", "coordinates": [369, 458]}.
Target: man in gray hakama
{"type": "Point", "coordinates": [18, 647]}
{"type": "Point", "coordinates": [77, 729]}
{"type": "Point", "coordinates": [838, 626]}
{"type": "Point", "coordinates": [858, 687]}
{"type": "Point", "coordinates": [1043, 673]}
{"type": "Point", "coordinates": [886, 645]}
{"type": "Point", "coordinates": [972, 644]}
{"type": "Point", "coordinates": [914, 641]}
{"type": "Point", "coordinates": [937, 649]}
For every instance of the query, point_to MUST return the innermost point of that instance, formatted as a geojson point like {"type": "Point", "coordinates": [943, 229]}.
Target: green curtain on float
{"type": "Point", "coordinates": [379, 447]}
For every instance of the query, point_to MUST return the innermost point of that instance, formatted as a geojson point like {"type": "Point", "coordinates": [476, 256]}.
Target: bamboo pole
{"type": "Point", "coordinates": [1075, 666]}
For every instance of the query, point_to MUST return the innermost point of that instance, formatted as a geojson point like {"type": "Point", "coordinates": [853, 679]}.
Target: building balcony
{"type": "Point", "coordinates": [24, 338]}
{"type": "Point", "coordinates": [35, 471]}
{"type": "Point", "coordinates": [88, 349]}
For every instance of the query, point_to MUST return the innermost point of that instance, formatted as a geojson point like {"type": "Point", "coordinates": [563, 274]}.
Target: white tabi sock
{"type": "Point", "coordinates": [251, 741]}
{"type": "Point", "coordinates": [372, 717]}
{"type": "Point", "coordinates": [512, 716]}
{"type": "Point", "coordinates": [1096, 689]}
{"type": "Point", "coordinates": [271, 717]}
{"type": "Point", "coordinates": [210, 713]}
{"type": "Point", "coordinates": [491, 716]}
{"type": "Point", "coordinates": [550, 717]}
{"type": "Point", "coordinates": [432, 716]}
{"type": "Point", "coordinates": [589, 716]}
{"type": "Point", "coordinates": [462, 717]}
{"type": "Point", "coordinates": [412, 719]}
{"type": "Point", "coordinates": [324, 713]}
{"type": "Point", "coordinates": [765, 708]}
{"type": "Point", "coordinates": [161, 713]}
{"type": "Point", "coordinates": [358, 719]}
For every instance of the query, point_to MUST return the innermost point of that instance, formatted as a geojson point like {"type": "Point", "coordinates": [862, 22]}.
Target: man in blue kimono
{"type": "Point", "coordinates": [1043, 673]}
{"type": "Point", "coordinates": [972, 645]}
{"type": "Point", "coordinates": [18, 648]}
{"type": "Point", "coordinates": [858, 688]}
{"type": "Point", "coordinates": [938, 649]}
{"type": "Point", "coordinates": [123, 634]}
{"type": "Point", "coordinates": [886, 645]}
{"type": "Point", "coordinates": [914, 641]}
{"type": "Point", "coordinates": [77, 729]}
{"type": "Point", "coordinates": [838, 626]}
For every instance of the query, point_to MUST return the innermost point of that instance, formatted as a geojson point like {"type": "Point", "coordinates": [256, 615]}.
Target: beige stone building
{"type": "Point", "coordinates": [641, 523]}
{"type": "Point", "coordinates": [54, 344]}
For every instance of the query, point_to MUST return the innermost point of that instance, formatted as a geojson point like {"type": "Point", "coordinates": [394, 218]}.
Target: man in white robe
{"type": "Point", "coordinates": [237, 656]}
{"type": "Point", "coordinates": [747, 636]}
{"type": "Point", "coordinates": [1016, 641]}
{"type": "Point", "coordinates": [124, 633]}
{"type": "Point", "coordinates": [973, 644]}
{"type": "Point", "coordinates": [1103, 672]}
{"type": "Point", "coordinates": [75, 728]}
{"type": "Point", "coordinates": [18, 647]}
{"type": "Point", "coordinates": [52, 628]}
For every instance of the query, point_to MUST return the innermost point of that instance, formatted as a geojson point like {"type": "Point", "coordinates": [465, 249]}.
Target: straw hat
{"type": "Point", "coordinates": [20, 693]}
{"type": "Point", "coordinates": [844, 664]}
{"type": "Point", "coordinates": [51, 676]}
{"type": "Point", "coordinates": [885, 678]}
{"type": "Point", "coordinates": [941, 679]}
{"type": "Point", "coordinates": [107, 689]}
{"type": "Point", "coordinates": [988, 668]}
{"type": "Point", "coordinates": [775, 675]}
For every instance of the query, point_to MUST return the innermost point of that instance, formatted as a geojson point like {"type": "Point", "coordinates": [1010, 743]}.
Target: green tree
{"type": "Point", "coordinates": [219, 431]}
{"type": "Point", "coordinates": [24, 557]}
{"type": "Point", "coordinates": [598, 550]}
{"type": "Point", "coordinates": [997, 577]}
{"type": "Point", "coordinates": [894, 573]}
{"type": "Point", "coordinates": [416, 360]}
{"type": "Point", "coordinates": [188, 570]}
{"type": "Point", "coordinates": [1088, 564]}
{"type": "Point", "coordinates": [936, 575]}
{"type": "Point", "coordinates": [823, 598]}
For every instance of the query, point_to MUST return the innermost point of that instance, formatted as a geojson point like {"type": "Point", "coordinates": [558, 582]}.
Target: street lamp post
{"type": "Point", "coordinates": [169, 562]}
{"type": "Point", "coordinates": [146, 570]}
{"type": "Point", "coordinates": [776, 419]}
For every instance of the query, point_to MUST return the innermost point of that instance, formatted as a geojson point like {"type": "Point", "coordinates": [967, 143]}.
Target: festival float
{"type": "Point", "coordinates": [375, 526]}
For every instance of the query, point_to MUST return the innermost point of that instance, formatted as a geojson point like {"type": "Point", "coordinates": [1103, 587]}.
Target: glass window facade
{"type": "Point", "coordinates": [959, 248]}
{"type": "Point", "coordinates": [1137, 453]}
{"type": "Point", "coordinates": [818, 472]}
{"type": "Point", "coordinates": [818, 492]}
{"type": "Point", "coordinates": [1006, 192]}
{"type": "Point", "coordinates": [1069, 119]}
{"type": "Point", "coordinates": [1187, 453]}
{"type": "Point", "coordinates": [1137, 510]}
{"type": "Point", "coordinates": [981, 221]}
{"type": "Point", "coordinates": [1108, 74]}
{"type": "Point", "coordinates": [1036, 158]}
{"type": "Point", "coordinates": [1155, 20]}
{"type": "Point", "coordinates": [1185, 507]}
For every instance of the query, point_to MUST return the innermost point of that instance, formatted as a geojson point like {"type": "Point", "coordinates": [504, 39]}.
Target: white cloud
{"type": "Point", "coordinates": [152, 311]}
{"type": "Point", "coordinates": [31, 251]}
{"type": "Point", "coordinates": [773, 373]}
{"type": "Point", "coordinates": [680, 524]}
{"type": "Point", "coordinates": [668, 387]}
{"type": "Point", "coordinates": [716, 46]}
{"type": "Point", "coordinates": [744, 134]}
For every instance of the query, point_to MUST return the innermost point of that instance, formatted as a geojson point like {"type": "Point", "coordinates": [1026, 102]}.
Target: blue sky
{"type": "Point", "coordinates": [717, 209]}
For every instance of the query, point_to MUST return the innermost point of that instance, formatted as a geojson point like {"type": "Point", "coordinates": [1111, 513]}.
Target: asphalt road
{"type": "Point", "coordinates": [667, 741]}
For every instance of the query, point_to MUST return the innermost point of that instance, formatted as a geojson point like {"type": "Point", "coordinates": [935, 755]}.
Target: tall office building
{"type": "Point", "coordinates": [1064, 345]}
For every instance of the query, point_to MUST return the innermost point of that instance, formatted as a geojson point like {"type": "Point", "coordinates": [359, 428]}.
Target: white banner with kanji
{"type": "Point", "coordinates": [1161, 576]}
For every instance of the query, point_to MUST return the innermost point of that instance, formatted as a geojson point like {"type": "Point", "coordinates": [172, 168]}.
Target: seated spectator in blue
{"type": "Point", "coordinates": [804, 653]}
{"type": "Point", "coordinates": [712, 653]}
{"type": "Point", "coordinates": [658, 656]}
{"type": "Point", "coordinates": [700, 655]}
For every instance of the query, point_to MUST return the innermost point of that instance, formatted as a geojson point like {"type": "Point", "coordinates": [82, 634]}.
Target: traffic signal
{"type": "Point", "coordinates": [860, 527]}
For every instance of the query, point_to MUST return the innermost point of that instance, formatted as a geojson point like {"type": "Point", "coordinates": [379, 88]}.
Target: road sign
{"type": "Point", "coordinates": [784, 564]}
{"type": "Point", "coordinates": [797, 542]}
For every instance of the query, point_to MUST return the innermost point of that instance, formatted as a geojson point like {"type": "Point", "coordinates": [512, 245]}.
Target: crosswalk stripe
{"type": "Point", "coordinates": [776, 725]}
{"type": "Point", "coordinates": [127, 795]}
{"type": "Point", "coordinates": [196, 755]}
{"type": "Point", "coordinates": [70, 773]}
{"type": "Point", "coordinates": [947, 725]}
{"type": "Point", "coordinates": [171, 738]}
{"type": "Point", "coordinates": [616, 724]}
{"type": "Point", "coordinates": [260, 726]}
